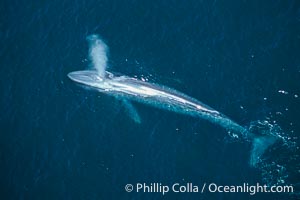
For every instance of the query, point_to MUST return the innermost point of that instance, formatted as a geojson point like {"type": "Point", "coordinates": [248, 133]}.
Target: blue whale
{"type": "Point", "coordinates": [129, 89]}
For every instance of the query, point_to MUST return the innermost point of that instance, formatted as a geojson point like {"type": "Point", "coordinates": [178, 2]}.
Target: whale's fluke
{"type": "Point", "coordinates": [259, 146]}
{"type": "Point", "coordinates": [98, 51]}
{"type": "Point", "coordinates": [263, 135]}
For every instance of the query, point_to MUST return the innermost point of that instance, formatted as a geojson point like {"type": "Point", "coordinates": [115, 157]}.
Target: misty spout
{"type": "Point", "coordinates": [98, 51]}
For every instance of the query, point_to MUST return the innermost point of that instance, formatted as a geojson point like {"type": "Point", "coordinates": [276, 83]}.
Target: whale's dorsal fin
{"type": "Point", "coordinates": [131, 111]}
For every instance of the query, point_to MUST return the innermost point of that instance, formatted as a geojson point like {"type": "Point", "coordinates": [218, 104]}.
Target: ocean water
{"type": "Point", "coordinates": [60, 141]}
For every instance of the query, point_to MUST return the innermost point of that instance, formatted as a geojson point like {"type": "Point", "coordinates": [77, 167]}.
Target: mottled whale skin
{"type": "Point", "coordinates": [153, 95]}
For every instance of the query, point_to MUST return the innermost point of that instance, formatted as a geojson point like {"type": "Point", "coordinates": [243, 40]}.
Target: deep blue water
{"type": "Point", "coordinates": [59, 141]}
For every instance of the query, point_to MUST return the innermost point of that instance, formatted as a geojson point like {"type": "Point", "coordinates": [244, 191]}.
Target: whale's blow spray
{"type": "Point", "coordinates": [98, 54]}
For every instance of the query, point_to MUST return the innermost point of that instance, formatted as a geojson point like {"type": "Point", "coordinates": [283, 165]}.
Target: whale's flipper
{"type": "Point", "coordinates": [131, 111]}
{"type": "Point", "coordinates": [98, 54]}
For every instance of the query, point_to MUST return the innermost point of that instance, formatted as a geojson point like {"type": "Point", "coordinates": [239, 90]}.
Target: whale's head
{"type": "Point", "coordinates": [89, 78]}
